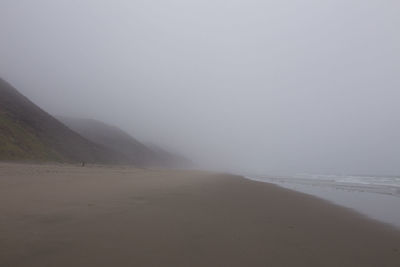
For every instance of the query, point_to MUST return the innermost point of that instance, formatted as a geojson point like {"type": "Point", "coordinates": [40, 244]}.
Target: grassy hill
{"type": "Point", "coordinates": [19, 142]}
{"type": "Point", "coordinates": [29, 133]}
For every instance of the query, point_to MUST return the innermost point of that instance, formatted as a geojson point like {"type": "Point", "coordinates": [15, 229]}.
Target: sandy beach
{"type": "Point", "coordinates": [64, 215]}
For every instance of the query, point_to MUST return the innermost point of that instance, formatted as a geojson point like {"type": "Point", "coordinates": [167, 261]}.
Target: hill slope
{"type": "Point", "coordinates": [170, 159]}
{"type": "Point", "coordinates": [118, 140]}
{"type": "Point", "coordinates": [112, 138]}
{"type": "Point", "coordinates": [29, 133]}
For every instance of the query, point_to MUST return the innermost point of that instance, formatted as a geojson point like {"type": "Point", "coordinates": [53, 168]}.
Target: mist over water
{"type": "Point", "coordinates": [252, 86]}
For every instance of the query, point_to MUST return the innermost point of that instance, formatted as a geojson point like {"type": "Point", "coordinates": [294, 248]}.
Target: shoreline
{"type": "Point", "coordinates": [100, 216]}
{"type": "Point", "coordinates": [375, 205]}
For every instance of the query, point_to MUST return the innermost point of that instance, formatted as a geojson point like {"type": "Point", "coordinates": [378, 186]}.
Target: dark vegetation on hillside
{"type": "Point", "coordinates": [28, 133]}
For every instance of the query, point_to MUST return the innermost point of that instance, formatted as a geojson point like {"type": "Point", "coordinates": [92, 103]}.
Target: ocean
{"type": "Point", "coordinates": [377, 197]}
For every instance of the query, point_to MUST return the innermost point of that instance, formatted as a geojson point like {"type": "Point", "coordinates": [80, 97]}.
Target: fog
{"type": "Point", "coordinates": [286, 86]}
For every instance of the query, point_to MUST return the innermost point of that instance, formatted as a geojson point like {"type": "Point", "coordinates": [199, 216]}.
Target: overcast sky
{"type": "Point", "coordinates": [264, 86]}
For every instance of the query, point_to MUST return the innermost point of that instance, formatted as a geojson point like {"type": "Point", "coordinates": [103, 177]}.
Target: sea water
{"type": "Point", "coordinates": [374, 196]}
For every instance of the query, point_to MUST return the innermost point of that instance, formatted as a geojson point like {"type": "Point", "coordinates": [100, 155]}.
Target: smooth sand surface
{"type": "Point", "coordinates": [113, 216]}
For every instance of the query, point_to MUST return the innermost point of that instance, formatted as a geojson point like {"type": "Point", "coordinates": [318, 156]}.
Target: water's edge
{"type": "Point", "coordinates": [376, 201]}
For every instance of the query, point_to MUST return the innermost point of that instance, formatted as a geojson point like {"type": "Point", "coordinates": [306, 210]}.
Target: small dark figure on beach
{"type": "Point", "coordinates": [83, 164]}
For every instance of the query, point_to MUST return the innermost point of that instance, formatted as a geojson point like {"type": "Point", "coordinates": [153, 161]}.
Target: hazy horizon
{"type": "Point", "coordinates": [256, 86]}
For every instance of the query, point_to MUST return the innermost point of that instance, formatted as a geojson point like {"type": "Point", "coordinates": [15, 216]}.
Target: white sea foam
{"type": "Point", "coordinates": [364, 180]}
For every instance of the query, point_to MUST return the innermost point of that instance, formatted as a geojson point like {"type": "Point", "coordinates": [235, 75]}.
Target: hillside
{"type": "Point", "coordinates": [116, 139]}
{"type": "Point", "coordinates": [112, 138]}
{"type": "Point", "coordinates": [29, 133]}
{"type": "Point", "coordinates": [170, 159]}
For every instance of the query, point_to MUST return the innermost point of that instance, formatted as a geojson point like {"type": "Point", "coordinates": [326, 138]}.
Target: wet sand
{"type": "Point", "coordinates": [60, 215]}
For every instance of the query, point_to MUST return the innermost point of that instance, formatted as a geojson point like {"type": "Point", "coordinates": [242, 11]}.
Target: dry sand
{"type": "Point", "coordinates": [102, 216]}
